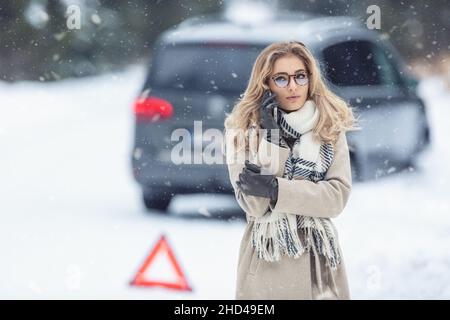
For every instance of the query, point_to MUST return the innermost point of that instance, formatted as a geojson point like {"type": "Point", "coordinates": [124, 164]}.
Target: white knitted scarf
{"type": "Point", "coordinates": [278, 233]}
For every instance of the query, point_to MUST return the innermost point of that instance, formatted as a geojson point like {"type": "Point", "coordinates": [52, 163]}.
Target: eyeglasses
{"type": "Point", "coordinates": [283, 79]}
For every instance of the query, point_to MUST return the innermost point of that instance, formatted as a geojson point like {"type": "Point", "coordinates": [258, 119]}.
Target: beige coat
{"type": "Point", "coordinates": [307, 277]}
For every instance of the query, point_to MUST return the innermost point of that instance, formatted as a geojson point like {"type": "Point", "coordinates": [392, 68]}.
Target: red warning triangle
{"type": "Point", "coordinates": [161, 253]}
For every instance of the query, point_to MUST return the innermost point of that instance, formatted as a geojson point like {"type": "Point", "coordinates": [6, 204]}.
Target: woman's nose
{"type": "Point", "coordinates": [292, 85]}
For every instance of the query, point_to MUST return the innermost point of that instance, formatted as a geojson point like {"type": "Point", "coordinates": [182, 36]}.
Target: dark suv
{"type": "Point", "coordinates": [199, 69]}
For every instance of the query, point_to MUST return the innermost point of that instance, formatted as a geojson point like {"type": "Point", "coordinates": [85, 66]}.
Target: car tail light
{"type": "Point", "coordinates": [153, 108]}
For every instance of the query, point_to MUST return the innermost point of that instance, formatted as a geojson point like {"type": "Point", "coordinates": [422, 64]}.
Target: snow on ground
{"type": "Point", "coordinates": [73, 226]}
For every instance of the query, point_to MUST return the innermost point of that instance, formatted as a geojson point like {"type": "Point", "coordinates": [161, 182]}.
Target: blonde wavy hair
{"type": "Point", "coordinates": [335, 114]}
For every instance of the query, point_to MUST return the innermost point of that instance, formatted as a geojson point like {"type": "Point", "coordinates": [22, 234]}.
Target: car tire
{"type": "Point", "coordinates": [156, 200]}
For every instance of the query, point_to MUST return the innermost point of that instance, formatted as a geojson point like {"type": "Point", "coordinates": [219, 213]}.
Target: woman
{"type": "Point", "coordinates": [289, 165]}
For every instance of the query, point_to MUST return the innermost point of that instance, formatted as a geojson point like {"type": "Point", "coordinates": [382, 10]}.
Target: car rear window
{"type": "Point", "coordinates": [359, 62]}
{"type": "Point", "coordinates": [203, 67]}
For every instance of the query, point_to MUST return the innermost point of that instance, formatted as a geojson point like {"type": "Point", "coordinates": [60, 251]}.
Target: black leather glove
{"type": "Point", "coordinates": [268, 103]}
{"type": "Point", "coordinates": [253, 183]}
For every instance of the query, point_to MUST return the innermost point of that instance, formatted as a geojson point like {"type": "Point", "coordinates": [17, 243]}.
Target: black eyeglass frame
{"type": "Point", "coordinates": [308, 74]}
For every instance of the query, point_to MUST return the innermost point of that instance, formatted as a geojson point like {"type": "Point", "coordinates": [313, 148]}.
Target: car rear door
{"type": "Point", "coordinates": [366, 75]}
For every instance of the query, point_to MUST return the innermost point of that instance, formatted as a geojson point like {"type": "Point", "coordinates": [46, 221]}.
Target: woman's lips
{"type": "Point", "coordinates": [293, 98]}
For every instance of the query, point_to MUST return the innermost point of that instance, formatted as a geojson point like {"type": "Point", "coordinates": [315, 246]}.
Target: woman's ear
{"type": "Point", "coordinates": [266, 86]}
{"type": "Point", "coordinates": [268, 91]}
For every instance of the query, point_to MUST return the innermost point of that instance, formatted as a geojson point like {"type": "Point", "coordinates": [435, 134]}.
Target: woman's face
{"type": "Point", "coordinates": [291, 65]}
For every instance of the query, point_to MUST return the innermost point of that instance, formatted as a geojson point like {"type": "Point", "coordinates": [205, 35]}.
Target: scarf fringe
{"type": "Point", "coordinates": [321, 234]}
{"type": "Point", "coordinates": [272, 239]}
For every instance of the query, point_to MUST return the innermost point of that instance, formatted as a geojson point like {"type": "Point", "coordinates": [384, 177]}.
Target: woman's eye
{"type": "Point", "coordinates": [280, 79]}
{"type": "Point", "coordinates": [301, 76]}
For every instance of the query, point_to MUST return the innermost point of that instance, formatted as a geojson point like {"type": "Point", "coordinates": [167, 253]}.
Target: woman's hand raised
{"type": "Point", "coordinates": [268, 102]}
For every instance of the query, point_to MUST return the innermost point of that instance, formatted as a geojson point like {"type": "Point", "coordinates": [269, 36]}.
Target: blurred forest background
{"type": "Point", "coordinates": [36, 43]}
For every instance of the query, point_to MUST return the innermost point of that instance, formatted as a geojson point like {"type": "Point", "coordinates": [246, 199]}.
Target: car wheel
{"type": "Point", "coordinates": [156, 200]}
